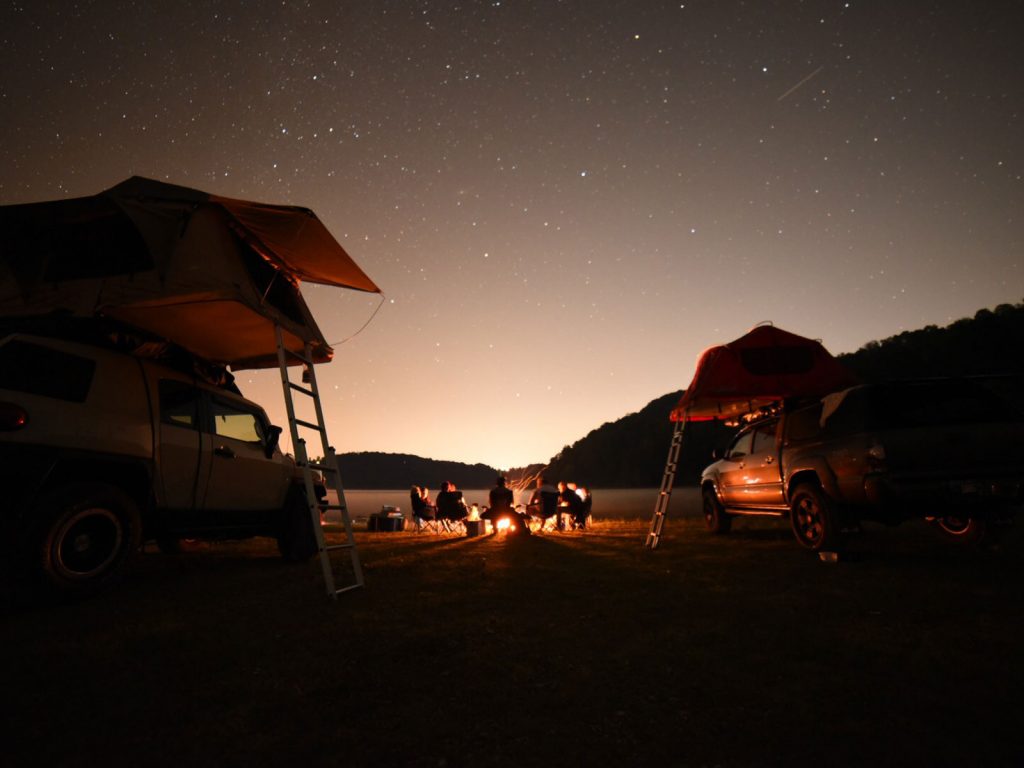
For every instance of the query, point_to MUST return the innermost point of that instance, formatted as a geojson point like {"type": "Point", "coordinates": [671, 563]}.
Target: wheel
{"type": "Point", "coordinates": [87, 535]}
{"type": "Point", "coordinates": [296, 539]}
{"type": "Point", "coordinates": [716, 519]}
{"type": "Point", "coordinates": [961, 528]}
{"type": "Point", "coordinates": [814, 520]}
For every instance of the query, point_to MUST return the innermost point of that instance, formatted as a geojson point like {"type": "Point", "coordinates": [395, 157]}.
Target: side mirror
{"type": "Point", "coordinates": [270, 444]}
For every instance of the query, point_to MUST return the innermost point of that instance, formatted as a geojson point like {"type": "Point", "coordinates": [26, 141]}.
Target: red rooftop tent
{"type": "Point", "coordinates": [764, 366]}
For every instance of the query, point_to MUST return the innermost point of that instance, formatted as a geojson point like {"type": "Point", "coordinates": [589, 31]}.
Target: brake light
{"type": "Point", "coordinates": [12, 417]}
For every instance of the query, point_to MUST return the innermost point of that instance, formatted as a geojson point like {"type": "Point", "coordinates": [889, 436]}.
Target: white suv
{"type": "Point", "coordinates": [101, 450]}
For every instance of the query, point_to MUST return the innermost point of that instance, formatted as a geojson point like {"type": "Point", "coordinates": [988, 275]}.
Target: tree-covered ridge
{"type": "Point", "coordinates": [990, 342]}
{"type": "Point", "coordinates": [386, 471]}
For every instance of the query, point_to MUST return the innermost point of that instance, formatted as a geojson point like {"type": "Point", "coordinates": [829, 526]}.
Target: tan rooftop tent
{"type": "Point", "coordinates": [211, 274]}
{"type": "Point", "coordinates": [764, 366]}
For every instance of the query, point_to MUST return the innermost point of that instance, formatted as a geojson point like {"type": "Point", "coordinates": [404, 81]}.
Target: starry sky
{"type": "Point", "coordinates": [563, 202]}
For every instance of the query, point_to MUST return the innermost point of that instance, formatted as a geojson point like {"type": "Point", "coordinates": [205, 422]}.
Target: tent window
{"type": "Point", "coordinates": [278, 291]}
{"type": "Point", "coordinates": [74, 240]}
{"type": "Point", "coordinates": [777, 361]}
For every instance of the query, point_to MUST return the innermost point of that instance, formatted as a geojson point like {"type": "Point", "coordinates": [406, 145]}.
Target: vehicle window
{"type": "Point", "coordinates": [229, 420]}
{"type": "Point", "coordinates": [935, 403]}
{"type": "Point", "coordinates": [804, 423]}
{"type": "Point", "coordinates": [179, 404]}
{"type": "Point", "coordinates": [44, 371]}
{"type": "Point", "coordinates": [764, 437]}
{"type": "Point", "coordinates": [741, 447]}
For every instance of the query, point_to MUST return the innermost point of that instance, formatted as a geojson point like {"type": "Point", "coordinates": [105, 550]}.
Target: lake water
{"type": "Point", "coordinates": [608, 502]}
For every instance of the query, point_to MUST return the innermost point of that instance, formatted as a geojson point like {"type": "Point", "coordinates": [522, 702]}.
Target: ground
{"type": "Point", "coordinates": [578, 648]}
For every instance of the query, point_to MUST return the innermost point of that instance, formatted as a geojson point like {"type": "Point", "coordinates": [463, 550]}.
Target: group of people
{"type": "Point", "coordinates": [549, 501]}
{"type": "Point", "coordinates": [450, 505]}
{"type": "Point", "coordinates": [546, 502]}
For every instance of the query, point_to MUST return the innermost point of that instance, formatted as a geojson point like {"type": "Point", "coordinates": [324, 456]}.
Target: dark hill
{"type": "Point", "coordinates": [386, 471]}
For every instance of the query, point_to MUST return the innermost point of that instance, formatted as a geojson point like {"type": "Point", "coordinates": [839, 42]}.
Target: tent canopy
{"type": "Point", "coordinates": [210, 274]}
{"type": "Point", "coordinates": [761, 367]}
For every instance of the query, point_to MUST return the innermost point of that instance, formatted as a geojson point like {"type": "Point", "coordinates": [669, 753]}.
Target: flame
{"type": "Point", "coordinates": [504, 524]}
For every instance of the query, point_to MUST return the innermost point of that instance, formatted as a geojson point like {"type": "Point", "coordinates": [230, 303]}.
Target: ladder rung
{"type": "Point", "coordinates": [310, 425]}
{"type": "Point", "coordinates": [349, 588]}
{"type": "Point", "coordinates": [339, 507]}
{"type": "Point", "coordinates": [303, 390]}
{"type": "Point", "coordinates": [314, 465]}
{"type": "Point", "coordinates": [332, 547]}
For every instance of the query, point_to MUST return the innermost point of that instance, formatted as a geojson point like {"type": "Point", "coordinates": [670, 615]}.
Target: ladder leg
{"type": "Point", "coordinates": [329, 466]}
{"type": "Point", "coordinates": [665, 492]}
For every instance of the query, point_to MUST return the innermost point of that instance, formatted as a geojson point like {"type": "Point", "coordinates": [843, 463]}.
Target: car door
{"type": "Point", "coordinates": [733, 466]}
{"type": "Point", "coordinates": [762, 481]}
{"type": "Point", "coordinates": [242, 481]}
{"type": "Point", "coordinates": [182, 462]}
{"type": "Point", "coordinates": [750, 473]}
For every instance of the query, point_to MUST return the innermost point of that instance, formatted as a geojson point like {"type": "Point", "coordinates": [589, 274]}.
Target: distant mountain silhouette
{"type": "Point", "coordinates": [387, 471]}
{"type": "Point", "coordinates": [631, 452]}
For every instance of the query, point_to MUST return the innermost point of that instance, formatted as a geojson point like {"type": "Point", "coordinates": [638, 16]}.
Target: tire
{"type": "Point", "coordinates": [296, 539]}
{"type": "Point", "coordinates": [961, 529]}
{"type": "Point", "coordinates": [716, 519]}
{"type": "Point", "coordinates": [814, 520]}
{"type": "Point", "coordinates": [87, 536]}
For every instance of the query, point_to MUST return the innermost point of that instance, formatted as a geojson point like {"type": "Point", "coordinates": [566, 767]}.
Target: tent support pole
{"type": "Point", "coordinates": [667, 482]}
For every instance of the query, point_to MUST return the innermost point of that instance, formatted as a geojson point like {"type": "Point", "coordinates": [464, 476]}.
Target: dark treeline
{"type": "Point", "coordinates": [631, 452]}
{"type": "Point", "coordinates": [386, 471]}
{"type": "Point", "coordinates": [990, 342]}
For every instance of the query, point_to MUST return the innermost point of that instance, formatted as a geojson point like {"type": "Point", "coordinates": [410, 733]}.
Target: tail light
{"type": "Point", "coordinates": [876, 457]}
{"type": "Point", "coordinates": [12, 417]}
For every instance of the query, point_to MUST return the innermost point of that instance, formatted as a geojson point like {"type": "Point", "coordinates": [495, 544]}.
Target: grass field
{"type": "Point", "coordinates": [566, 649]}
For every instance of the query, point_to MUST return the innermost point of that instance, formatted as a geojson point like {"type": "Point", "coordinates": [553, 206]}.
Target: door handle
{"type": "Point", "coordinates": [223, 450]}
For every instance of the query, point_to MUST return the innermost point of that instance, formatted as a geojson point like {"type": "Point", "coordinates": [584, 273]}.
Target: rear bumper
{"type": "Point", "coordinates": [907, 496]}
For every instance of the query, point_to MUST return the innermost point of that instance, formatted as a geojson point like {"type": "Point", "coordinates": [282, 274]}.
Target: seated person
{"type": "Point", "coordinates": [500, 505]}
{"type": "Point", "coordinates": [580, 520]}
{"type": "Point", "coordinates": [422, 509]}
{"type": "Point", "coordinates": [544, 501]}
{"type": "Point", "coordinates": [450, 504]}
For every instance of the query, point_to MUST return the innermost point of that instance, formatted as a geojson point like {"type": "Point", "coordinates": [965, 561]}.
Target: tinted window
{"type": "Point", "coordinates": [805, 423]}
{"type": "Point", "coordinates": [179, 404]}
{"type": "Point", "coordinates": [39, 370]}
{"type": "Point", "coordinates": [934, 403]}
{"type": "Point", "coordinates": [742, 446]}
{"type": "Point", "coordinates": [764, 437]}
{"type": "Point", "coordinates": [231, 421]}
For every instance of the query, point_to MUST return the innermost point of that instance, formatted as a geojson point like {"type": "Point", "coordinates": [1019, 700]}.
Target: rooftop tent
{"type": "Point", "coordinates": [211, 274]}
{"type": "Point", "coordinates": [761, 367]}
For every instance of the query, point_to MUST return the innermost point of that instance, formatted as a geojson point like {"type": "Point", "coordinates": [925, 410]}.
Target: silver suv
{"type": "Point", "coordinates": [101, 450]}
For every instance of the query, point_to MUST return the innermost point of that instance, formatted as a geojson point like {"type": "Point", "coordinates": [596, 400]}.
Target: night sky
{"type": "Point", "coordinates": [564, 202]}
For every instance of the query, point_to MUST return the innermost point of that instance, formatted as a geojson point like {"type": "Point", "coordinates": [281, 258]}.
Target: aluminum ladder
{"type": "Point", "coordinates": [329, 466]}
{"type": "Point", "coordinates": [665, 494]}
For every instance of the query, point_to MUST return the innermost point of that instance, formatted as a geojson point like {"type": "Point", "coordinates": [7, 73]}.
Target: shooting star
{"type": "Point", "coordinates": [800, 83]}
